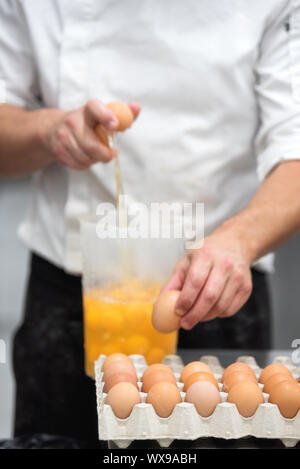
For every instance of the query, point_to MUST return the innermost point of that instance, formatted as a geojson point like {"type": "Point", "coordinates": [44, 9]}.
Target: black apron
{"type": "Point", "coordinates": [53, 394]}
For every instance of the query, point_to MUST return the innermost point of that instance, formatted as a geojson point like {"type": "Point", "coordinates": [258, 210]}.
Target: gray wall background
{"type": "Point", "coordinates": [14, 196]}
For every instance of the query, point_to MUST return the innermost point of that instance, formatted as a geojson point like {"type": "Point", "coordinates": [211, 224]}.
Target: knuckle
{"type": "Point", "coordinates": [184, 302]}
{"type": "Point", "coordinates": [205, 252]}
{"type": "Point", "coordinates": [62, 133]}
{"type": "Point", "coordinates": [84, 163]}
{"type": "Point", "coordinates": [220, 307]}
{"type": "Point", "coordinates": [190, 322]}
{"type": "Point", "coordinates": [196, 281]}
{"type": "Point", "coordinates": [239, 276]}
{"type": "Point", "coordinates": [90, 105]}
{"type": "Point", "coordinates": [226, 264]}
{"type": "Point", "coordinates": [105, 160]}
{"type": "Point", "coordinates": [60, 155]}
{"type": "Point", "coordinates": [246, 288]}
{"type": "Point", "coordinates": [71, 121]}
{"type": "Point", "coordinates": [230, 313]}
{"type": "Point", "coordinates": [210, 295]}
{"type": "Point", "coordinates": [105, 156]}
{"type": "Point", "coordinates": [56, 150]}
{"type": "Point", "coordinates": [91, 150]}
{"type": "Point", "coordinates": [96, 152]}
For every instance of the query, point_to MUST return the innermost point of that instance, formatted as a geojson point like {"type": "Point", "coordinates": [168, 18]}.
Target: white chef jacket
{"type": "Point", "coordinates": [219, 86]}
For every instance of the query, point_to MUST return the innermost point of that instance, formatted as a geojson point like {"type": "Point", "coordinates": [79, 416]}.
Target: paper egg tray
{"type": "Point", "coordinates": [185, 423]}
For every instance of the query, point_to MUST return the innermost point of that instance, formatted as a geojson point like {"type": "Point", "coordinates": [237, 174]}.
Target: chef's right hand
{"type": "Point", "coordinates": [73, 141]}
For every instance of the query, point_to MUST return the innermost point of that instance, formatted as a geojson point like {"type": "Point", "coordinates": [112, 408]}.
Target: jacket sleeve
{"type": "Point", "coordinates": [18, 73]}
{"type": "Point", "coordinates": [278, 89]}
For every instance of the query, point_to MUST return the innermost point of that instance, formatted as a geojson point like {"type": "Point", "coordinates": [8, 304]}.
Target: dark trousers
{"type": "Point", "coordinates": [53, 394]}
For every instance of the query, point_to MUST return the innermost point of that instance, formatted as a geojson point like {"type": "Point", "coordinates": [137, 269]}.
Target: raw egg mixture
{"type": "Point", "coordinates": [200, 387]}
{"type": "Point", "coordinates": [118, 318]}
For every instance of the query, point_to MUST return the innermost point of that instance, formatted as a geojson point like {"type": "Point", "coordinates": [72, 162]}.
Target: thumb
{"type": "Point", "coordinates": [97, 113]}
{"type": "Point", "coordinates": [135, 108]}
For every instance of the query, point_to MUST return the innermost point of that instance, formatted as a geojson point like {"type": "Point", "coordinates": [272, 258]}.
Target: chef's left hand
{"type": "Point", "coordinates": [215, 279]}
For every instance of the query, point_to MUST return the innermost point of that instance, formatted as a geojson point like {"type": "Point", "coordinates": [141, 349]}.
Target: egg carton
{"type": "Point", "coordinates": [185, 423]}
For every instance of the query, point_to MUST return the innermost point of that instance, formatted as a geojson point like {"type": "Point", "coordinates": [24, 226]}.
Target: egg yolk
{"type": "Point", "coordinates": [117, 318]}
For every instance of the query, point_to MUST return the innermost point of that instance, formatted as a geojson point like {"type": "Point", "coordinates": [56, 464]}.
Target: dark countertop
{"type": "Point", "coordinates": [263, 357]}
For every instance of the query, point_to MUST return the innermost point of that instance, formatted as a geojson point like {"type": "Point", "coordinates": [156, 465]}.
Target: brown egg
{"type": "Point", "coordinates": [116, 378]}
{"type": "Point", "coordinates": [236, 366]}
{"type": "Point", "coordinates": [156, 367]}
{"type": "Point", "coordinates": [164, 318]}
{"type": "Point", "coordinates": [193, 367]}
{"type": "Point", "coordinates": [271, 370]}
{"type": "Point", "coordinates": [199, 376]}
{"type": "Point", "coordinates": [157, 377]}
{"type": "Point", "coordinates": [115, 357]}
{"type": "Point", "coordinates": [286, 395]}
{"type": "Point", "coordinates": [204, 396]}
{"type": "Point", "coordinates": [276, 378]}
{"type": "Point", "coordinates": [123, 114]}
{"type": "Point", "coordinates": [236, 377]}
{"type": "Point", "coordinates": [119, 367]}
{"type": "Point", "coordinates": [247, 396]}
{"type": "Point", "coordinates": [122, 398]}
{"type": "Point", "coordinates": [164, 396]}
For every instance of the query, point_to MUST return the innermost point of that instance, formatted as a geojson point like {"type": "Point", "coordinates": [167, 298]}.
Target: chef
{"type": "Point", "coordinates": [218, 83]}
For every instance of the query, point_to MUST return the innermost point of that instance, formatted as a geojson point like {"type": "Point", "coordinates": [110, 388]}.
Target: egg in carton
{"type": "Point", "coordinates": [185, 423]}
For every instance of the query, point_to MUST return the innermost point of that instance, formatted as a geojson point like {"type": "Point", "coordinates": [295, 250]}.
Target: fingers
{"type": "Point", "coordinates": [67, 151]}
{"type": "Point", "coordinates": [196, 277]}
{"type": "Point", "coordinates": [74, 142]}
{"type": "Point", "coordinates": [72, 150]}
{"type": "Point", "coordinates": [135, 108]}
{"type": "Point", "coordinates": [226, 298]}
{"type": "Point", "coordinates": [92, 147]}
{"type": "Point", "coordinates": [97, 113]}
{"type": "Point", "coordinates": [207, 298]}
{"type": "Point", "coordinates": [64, 158]}
{"type": "Point", "coordinates": [240, 298]}
{"type": "Point", "coordinates": [216, 284]}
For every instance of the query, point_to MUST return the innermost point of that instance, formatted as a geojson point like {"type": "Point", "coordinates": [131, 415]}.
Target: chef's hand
{"type": "Point", "coordinates": [73, 142]}
{"type": "Point", "coordinates": [215, 280]}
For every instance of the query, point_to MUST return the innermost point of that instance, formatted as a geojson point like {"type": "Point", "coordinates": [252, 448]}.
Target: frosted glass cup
{"type": "Point", "coordinates": [121, 279]}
